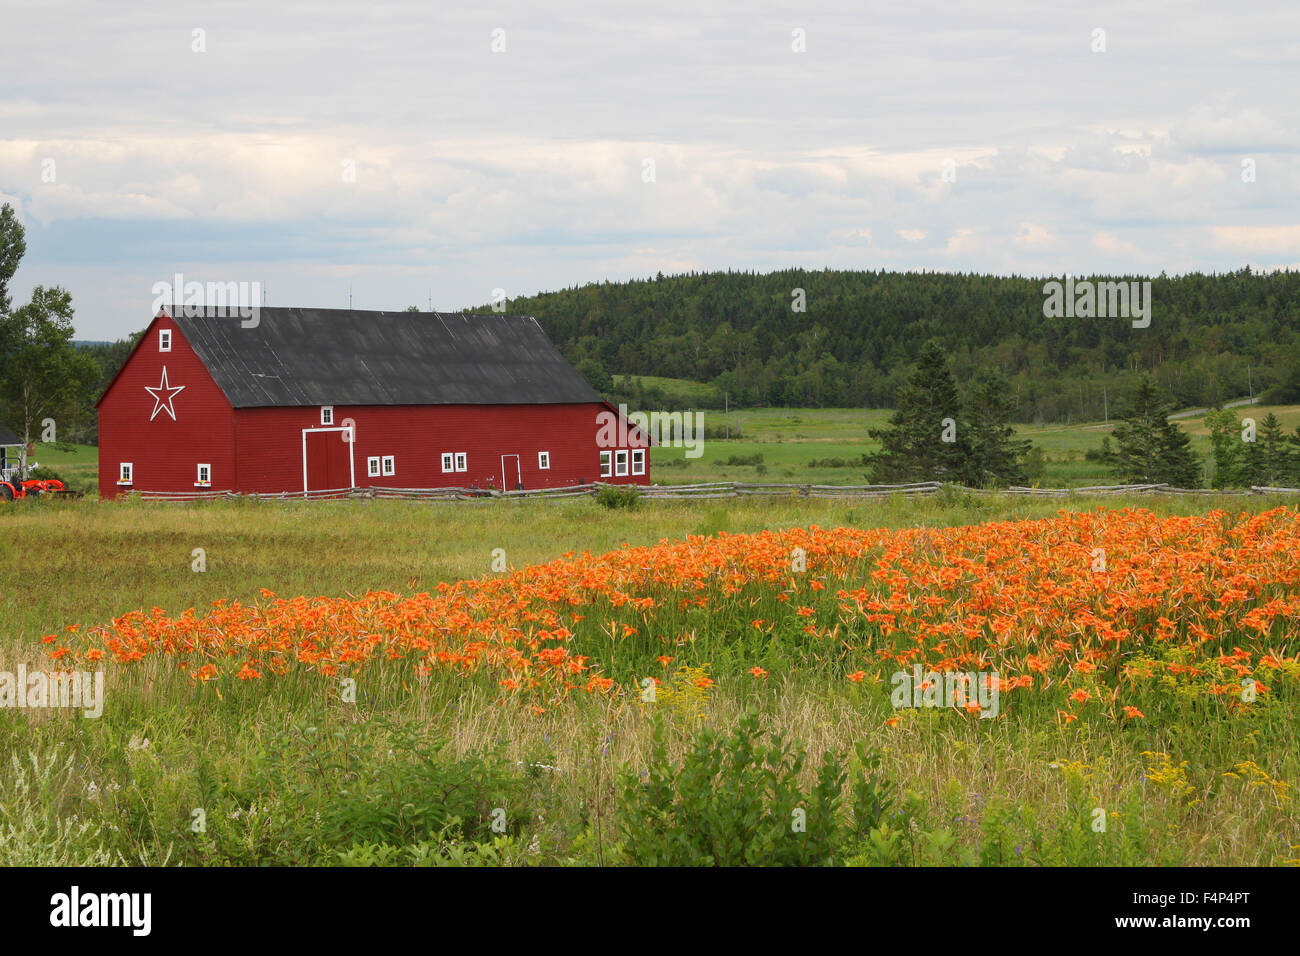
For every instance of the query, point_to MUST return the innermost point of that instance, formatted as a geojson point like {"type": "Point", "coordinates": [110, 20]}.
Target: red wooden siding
{"type": "Point", "coordinates": [269, 445]}
{"type": "Point", "coordinates": [165, 453]}
{"type": "Point", "coordinates": [261, 450]}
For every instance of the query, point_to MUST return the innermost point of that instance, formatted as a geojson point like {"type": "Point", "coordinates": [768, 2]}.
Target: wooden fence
{"type": "Point", "coordinates": [716, 489]}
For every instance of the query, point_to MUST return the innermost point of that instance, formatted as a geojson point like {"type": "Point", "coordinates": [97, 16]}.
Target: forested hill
{"type": "Point", "coordinates": [1211, 337]}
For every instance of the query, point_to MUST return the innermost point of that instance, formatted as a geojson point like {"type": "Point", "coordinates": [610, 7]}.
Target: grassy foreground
{"type": "Point", "coordinates": [407, 768]}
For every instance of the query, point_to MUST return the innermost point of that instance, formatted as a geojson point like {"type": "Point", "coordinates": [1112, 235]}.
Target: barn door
{"type": "Point", "coordinates": [326, 459]}
{"type": "Point", "coordinates": [511, 477]}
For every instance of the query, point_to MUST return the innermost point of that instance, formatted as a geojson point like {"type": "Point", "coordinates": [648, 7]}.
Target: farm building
{"type": "Point", "coordinates": [317, 400]}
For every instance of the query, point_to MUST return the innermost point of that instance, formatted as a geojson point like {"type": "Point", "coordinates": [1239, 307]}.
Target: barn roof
{"type": "Point", "coordinates": [350, 357]}
{"type": "Point", "coordinates": [8, 437]}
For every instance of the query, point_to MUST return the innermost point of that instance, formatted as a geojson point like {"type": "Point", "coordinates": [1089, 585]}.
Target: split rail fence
{"type": "Point", "coordinates": [716, 489]}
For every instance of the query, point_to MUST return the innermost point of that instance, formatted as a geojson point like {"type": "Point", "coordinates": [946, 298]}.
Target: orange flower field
{"type": "Point", "coordinates": [1102, 613]}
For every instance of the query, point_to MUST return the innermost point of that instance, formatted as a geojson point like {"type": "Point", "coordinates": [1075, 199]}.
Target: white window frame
{"type": "Point", "coordinates": [606, 464]}
{"type": "Point", "coordinates": [327, 414]}
{"type": "Point", "coordinates": [164, 340]}
{"type": "Point", "coordinates": [389, 464]}
{"type": "Point", "coordinates": [638, 461]}
{"type": "Point", "coordinates": [125, 473]}
{"type": "Point", "coordinates": [199, 480]}
{"type": "Point", "coordinates": [372, 467]}
{"type": "Point", "coordinates": [544, 461]}
{"type": "Point", "coordinates": [448, 462]}
{"type": "Point", "coordinates": [620, 463]}
{"type": "Point", "coordinates": [462, 461]}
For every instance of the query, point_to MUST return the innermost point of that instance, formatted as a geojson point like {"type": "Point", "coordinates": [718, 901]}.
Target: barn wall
{"type": "Point", "coordinates": [269, 444]}
{"type": "Point", "coordinates": [165, 453]}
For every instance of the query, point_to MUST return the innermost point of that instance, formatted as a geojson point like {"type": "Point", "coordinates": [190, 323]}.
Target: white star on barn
{"type": "Point", "coordinates": [160, 403]}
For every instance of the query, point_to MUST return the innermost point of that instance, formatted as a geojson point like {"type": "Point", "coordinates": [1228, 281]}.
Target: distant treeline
{"type": "Point", "coordinates": [1211, 338]}
{"type": "Point", "coordinates": [83, 425]}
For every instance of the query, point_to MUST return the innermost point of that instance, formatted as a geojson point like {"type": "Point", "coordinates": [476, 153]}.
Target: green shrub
{"type": "Point", "coordinates": [735, 801]}
{"type": "Point", "coordinates": [619, 496]}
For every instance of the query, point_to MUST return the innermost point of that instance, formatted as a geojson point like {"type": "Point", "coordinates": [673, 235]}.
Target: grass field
{"type": "Point", "coordinates": [790, 439]}
{"type": "Point", "coordinates": [455, 766]}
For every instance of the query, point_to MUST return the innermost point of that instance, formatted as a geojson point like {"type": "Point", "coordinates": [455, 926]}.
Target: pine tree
{"type": "Point", "coordinates": [1152, 449]}
{"type": "Point", "coordinates": [1268, 460]}
{"type": "Point", "coordinates": [922, 441]}
{"type": "Point", "coordinates": [996, 455]}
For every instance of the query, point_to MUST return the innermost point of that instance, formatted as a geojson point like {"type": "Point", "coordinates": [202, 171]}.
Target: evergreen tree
{"type": "Point", "coordinates": [922, 441]}
{"type": "Point", "coordinates": [1152, 449]}
{"type": "Point", "coordinates": [1268, 460]}
{"type": "Point", "coordinates": [996, 455]}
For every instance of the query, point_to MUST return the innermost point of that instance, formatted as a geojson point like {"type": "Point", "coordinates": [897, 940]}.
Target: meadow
{"type": "Point", "coordinates": [796, 445]}
{"type": "Point", "coordinates": [362, 683]}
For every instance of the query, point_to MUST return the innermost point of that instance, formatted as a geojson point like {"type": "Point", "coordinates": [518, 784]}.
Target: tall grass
{"type": "Point", "coordinates": [291, 772]}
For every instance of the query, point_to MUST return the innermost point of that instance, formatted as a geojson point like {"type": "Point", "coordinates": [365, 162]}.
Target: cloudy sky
{"type": "Point", "coordinates": [409, 150]}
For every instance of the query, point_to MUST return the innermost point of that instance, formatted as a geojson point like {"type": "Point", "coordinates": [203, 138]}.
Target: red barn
{"type": "Point", "coordinates": [311, 400]}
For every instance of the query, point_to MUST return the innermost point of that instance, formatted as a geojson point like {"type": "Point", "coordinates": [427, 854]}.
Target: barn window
{"type": "Point", "coordinates": [124, 472]}
{"type": "Point", "coordinates": [448, 461]}
{"type": "Point", "coordinates": [620, 464]}
{"type": "Point", "coordinates": [638, 461]}
{"type": "Point", "coordinates": [543, 460]}
{"type": "Point", "coordinates": [462, 461]}
{"type": "Point", "coordinates": [164, 340]}
{"type": "Point", "coordinates": [327, 414]}
{"type": "Point", "coordinates": [390, 465]}
{"type": "Point", "coordinates": [204, 476]}
{"type": "Point", "coordinates": [606, 464]}
{"type": "Point", "coordinates": [372, 467]}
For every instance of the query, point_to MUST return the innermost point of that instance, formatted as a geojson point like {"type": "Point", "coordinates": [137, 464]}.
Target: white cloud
{"type": "Point", "coordinates": [523, 169]}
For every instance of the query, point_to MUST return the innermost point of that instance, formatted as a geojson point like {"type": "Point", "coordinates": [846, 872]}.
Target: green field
{"type": "Point", "coordinates": [789, 439]}
{"type": "Point", "coordinates": [284, 773]}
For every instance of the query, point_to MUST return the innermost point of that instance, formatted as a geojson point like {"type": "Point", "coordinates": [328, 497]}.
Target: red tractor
{"type": "Point", "coordinates": [15, 480]}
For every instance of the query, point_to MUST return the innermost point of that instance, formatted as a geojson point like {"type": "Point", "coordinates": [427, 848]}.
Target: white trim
{"type": "Point", "coordinates": [638, 453]}
{"type": "Point", "coordinates": [199, 481]}
{"type": "Point", "coordinates": [544, 461]}
{"type": "Point", "coordinates": [519, 472]}
{"type": "Point", "coordinates": [462, 461]}
{"type": "Point", "coordinates": [352, 458]}
{"type": "Point", "coordinates": [129, 478]}
{"type": "Point", "coordinates": [327, 414]}
{"type": "Point", "coordinates": [164, 336]}
{"type": "Point", "coordinates": [372, 467]}
{"type": "Point", "coordinates": [606, 464]}
{"type": "Point", "coordinates": [620, 463]}
{"type": "Point", "coordinates": [448, 462]}
{"type": "Point", "coordinates": [389, 465]}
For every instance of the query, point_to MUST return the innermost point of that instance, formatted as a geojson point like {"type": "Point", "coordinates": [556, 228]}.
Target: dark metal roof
{"type": "Point", "coordinates": [9, 438]}
{"type": "Point", "coordinates": [349, 357]}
